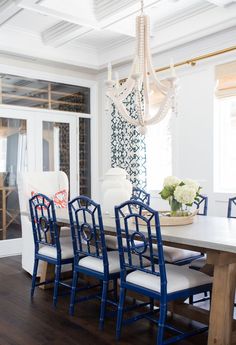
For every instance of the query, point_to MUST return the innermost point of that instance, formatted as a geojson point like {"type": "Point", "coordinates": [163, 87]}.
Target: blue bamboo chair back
{"type": "Point", "coordinates": [231, 202]}
{"type": "Point", "coordinates": [202, 205]}
{"type": "Point", "coordinates": [140, 195]}
{"type": "Point", "coordinates": [137, 221]}
{"type": "Point", "coordinates": [44, 224]}
{"type": "Point", "coordinates": [87, 229]}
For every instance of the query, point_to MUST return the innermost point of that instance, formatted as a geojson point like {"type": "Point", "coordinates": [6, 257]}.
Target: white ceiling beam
{"type": "Point", "coordinates": [8, 9]}
{"type": "Point", "coordinates": [62, 33]}
{"type": "Point", "coordinates": [221, 3]}
{"type": "Point", "coordinates": [28, 5]}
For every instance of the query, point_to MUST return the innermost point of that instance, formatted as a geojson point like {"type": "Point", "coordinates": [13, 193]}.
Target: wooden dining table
{"type": "Point", "coordinates": [215, 236]}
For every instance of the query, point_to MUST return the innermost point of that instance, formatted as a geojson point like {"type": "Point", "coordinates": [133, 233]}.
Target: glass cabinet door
{"type": "Point", "coordinates": [56, 147]}
{"type": "Point", "coordinates": [13, 159]}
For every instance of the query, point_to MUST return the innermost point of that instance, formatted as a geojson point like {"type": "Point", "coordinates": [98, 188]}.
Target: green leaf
{"type": "Point", "coordinates": [166, 192]}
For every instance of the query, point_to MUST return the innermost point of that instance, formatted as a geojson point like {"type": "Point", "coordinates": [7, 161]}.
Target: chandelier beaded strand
{"type": "Point", "coordinates": [142, 78]}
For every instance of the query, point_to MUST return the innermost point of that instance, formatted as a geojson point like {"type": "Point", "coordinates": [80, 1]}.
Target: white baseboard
{"type": "Point", "coordinates": [10, 247]}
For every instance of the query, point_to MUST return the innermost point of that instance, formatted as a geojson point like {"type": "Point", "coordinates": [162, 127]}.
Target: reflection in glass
{"type": "Point", "coordinates": [13, 159]}
{"type": "Point", "coordinates": [21, 91]}
{"type": "Point", "coordinates": [84, 157]}
{"type": "Point", "coordinates": [56, 147]}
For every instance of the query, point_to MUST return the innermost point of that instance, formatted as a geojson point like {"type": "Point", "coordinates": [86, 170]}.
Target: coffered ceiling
{"type": "Point", "coordinates": [89, 33]}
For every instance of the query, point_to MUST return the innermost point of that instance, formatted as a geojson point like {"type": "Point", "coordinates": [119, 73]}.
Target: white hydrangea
{"type": "Point", "coordinates": [171, 181]}
{"type": "Point", "coordinates": [191, 183]}
{"type": "Point", "coordinates": [185, 194]}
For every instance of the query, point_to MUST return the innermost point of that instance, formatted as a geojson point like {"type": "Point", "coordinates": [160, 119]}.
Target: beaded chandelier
{"type": "Point", "coordinates": [143, 84]}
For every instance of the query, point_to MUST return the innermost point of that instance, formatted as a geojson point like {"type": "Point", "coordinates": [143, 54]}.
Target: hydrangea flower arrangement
{"type": "Point", "coordinates": [180, 193]}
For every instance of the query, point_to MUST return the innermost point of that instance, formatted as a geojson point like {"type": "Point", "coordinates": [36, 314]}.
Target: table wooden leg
{"type": "Point", "coordinates": [47, 273]}
{"type": "Point", "coordinates": [221, 314]}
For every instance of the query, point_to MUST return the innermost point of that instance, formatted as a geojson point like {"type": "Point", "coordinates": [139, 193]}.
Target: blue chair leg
{"type": "Point", "coordinates": [103, 304]}
{"type": "Point", "coordinates": [115, 289]}
{"type": "Point", "coordinates": [161, 324]}
{"type": "Point", "coordinates": [191, 300]}
{"type": "Point", "coordinates": [73, 292]}
{"type": "Point", "coordinates": [34, 277]}
{"type": "Point", "coordinates": [56, 284]}
{"type": "Point", "coordinates": [151, 304]}
{"type": "Point", "coordinates": [120, 313]}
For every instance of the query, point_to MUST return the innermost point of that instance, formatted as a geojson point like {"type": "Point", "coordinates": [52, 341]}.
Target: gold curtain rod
{"type": "Point", "coordinates": [193, 61]}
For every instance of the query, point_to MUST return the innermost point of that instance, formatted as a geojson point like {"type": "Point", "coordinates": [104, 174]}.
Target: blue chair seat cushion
{"type": "Point", "coordinates": [178, 278]}
{"type": "Point", "coordinates": [198, 263]}
{"type": "Point", "coordinates": [96, 264]}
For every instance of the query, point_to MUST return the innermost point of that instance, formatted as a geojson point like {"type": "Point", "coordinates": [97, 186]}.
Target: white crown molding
{"type": "Point", "coordinates": [182, 15]}
{"type": "Point", "coordinates": [8, 9]}
{"type": "Point", "coordinates": [61, 33]}
{"type": "Point", "coordinates": [221, 3]}
{"type": "Point", "coordinates": [14, 41]}
{"type": "Point", "coordinates": [191, 12]}
{"type": "Point", "coordinates": [104, 8]}
{"type": "Point", "coordinates": [35, 7]}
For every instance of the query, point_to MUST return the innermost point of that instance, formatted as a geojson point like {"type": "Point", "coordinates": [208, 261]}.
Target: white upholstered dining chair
{"type": "Point", "coordinates": [54, 184]}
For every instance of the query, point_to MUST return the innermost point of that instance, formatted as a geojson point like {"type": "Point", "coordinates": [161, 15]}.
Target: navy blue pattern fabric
{"type": "Point", "coordinates": [128, 148]}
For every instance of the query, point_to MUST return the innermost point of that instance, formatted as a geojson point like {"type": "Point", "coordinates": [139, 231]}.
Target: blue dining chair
{"type": "Point", "coordinates": [162, 282]}
{"type": "Point", "coordinates": [48, 246]}
{"type": "Point", "coordinates": [202, 205]}
{"type": "Point", "coordinates": [176, 256]}
{"type": "Point", "coordinates": [140, 195]}
{"type": "Point", "coordinates": [90, 253]}
{"type": "Point", "coordinates": [231, 202]}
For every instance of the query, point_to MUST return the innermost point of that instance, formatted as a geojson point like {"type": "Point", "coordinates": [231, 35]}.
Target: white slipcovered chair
{"type": "Point", "coordinates": [48, 183]}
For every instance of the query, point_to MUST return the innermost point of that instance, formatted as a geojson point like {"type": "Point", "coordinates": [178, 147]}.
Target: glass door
{"type": "Point", "coordinates": [13, 159]}
{"type": "Point", "coordinates": [58, 146]}
{"type": "Point", "coordinates": [31, 141]}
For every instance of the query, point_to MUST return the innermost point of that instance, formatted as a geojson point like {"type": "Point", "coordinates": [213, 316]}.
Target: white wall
{"type": "Point", "coordinates": [193, 129]}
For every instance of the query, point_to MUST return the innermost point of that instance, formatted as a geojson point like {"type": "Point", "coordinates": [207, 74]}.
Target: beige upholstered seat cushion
{"type": "Point", "coordinates": [198, 263]}
{"type": "Point", "coordinates": [172, 254]}
{"type": "Point", "coordinates": [178, 278]}
{"type": "Point", "coordinates": [65, 232]}
{"type": "Point", "coordinates": [96, 264]}
{"type": "Point", "coordinates": [112, 243]}
{"type": "Point", "coordinates": [66, 250]}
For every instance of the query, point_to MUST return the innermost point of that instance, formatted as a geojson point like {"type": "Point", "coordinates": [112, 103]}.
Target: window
{"type": "Point", "coordinates": [159, 153]}
{"type": "Point", "coordinates": [225, 129]}
{"type": "Point", "coordinates": [225, 144]}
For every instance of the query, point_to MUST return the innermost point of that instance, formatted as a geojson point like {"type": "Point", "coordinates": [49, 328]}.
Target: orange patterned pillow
{"type": "Point", "coordinates": [59, 198]}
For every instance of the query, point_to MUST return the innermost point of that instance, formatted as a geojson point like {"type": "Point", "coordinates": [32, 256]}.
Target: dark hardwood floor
{"type": "Point", "coordinates": [23, 322]}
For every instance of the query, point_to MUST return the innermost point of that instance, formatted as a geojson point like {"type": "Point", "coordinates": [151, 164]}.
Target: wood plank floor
{"type": "Point", "coordinates": [23, 322]}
